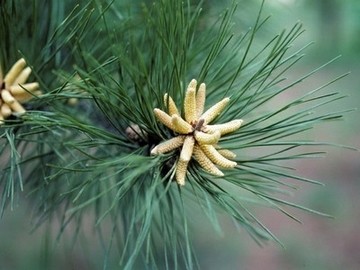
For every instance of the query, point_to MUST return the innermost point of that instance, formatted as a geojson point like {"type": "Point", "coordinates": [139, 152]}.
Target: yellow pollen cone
{"type": "Point", "coordinates": [190, 103]}
{"type": "Point", "coordinates": [214, 111]}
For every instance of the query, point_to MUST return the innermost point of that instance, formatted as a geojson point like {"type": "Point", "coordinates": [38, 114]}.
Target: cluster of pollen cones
{"type": "Point", "coordinates": [195, 135]}
{"type": "Point", "coordinates": [14, 90]}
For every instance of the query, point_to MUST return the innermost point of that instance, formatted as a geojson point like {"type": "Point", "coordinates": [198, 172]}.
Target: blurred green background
{"type": "Point", "coordinates": [318, 243]}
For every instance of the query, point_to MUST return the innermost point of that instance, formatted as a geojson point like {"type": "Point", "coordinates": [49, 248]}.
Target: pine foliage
{"type": "Point", "coordinates": [115, 60]}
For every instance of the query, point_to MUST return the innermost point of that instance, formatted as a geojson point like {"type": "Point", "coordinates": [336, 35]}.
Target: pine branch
{"type": "Point", "coordinates": [115, 62]}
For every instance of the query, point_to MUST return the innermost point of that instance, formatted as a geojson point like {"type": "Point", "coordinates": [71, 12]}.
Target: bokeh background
{"type": "Point", "coordinates": [317, 243]}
